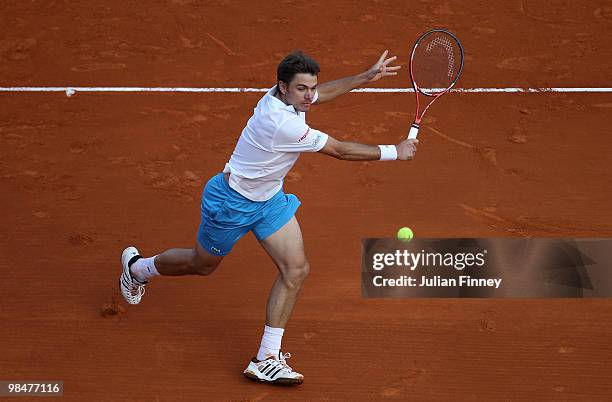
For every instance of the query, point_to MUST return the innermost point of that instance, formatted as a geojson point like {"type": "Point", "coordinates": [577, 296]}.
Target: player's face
{"type": "Point", "coordinates": [300, 91]}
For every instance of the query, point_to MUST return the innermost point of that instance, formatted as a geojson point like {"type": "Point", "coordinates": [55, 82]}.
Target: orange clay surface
{"type": "Point", "coordinates": [83, 177]}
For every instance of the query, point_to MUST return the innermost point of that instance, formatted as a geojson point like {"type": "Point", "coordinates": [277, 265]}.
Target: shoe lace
{"type": "Point", "coordinates": [283, 359]}
{"type": "Point", "coordinates": [137, 288]}
{"type": "Point", "coordinates": [141, 290]}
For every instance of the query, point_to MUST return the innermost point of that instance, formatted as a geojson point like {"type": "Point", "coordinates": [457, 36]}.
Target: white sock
{"type": "Point", "coordinates": [270, 342]}
{"type": "Point", "coordinates": [144, 268]}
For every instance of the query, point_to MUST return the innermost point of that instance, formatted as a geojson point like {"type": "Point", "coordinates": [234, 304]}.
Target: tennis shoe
{"type": "Point", "coordinates": [273, 370]}
{"type": "Point", "coordinates": [131, 288]}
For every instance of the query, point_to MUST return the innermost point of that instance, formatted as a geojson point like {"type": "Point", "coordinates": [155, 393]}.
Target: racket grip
{"type": "Point", "coordinates": [414, 131]}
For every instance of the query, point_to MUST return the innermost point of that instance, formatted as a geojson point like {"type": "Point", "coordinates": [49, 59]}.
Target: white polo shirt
{"type": "Point", "coordinates": [269, 146]}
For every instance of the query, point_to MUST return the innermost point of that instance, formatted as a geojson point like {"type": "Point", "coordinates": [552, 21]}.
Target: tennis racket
{"type": "Point", "coordinates": [436, 63]}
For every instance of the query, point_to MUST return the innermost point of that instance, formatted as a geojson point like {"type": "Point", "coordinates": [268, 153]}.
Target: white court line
{"type": "Point", "coordinates": [71, 90]}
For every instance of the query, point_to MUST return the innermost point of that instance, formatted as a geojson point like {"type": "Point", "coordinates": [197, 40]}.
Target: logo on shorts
{"type": "Point", "coordinates": [216, 250]}
{"type": "Point", "coordinates": [305, 135]}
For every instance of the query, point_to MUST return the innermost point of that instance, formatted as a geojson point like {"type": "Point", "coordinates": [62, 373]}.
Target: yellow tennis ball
{"type": "Point", "coordinates": [405, 234]}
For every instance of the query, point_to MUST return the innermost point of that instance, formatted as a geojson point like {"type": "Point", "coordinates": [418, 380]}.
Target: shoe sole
{"type": "Point", "coordinates": [279, 381]}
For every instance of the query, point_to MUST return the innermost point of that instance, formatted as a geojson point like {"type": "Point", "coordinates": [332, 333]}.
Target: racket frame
{"type": "Point", "coordinates": [414, 128]}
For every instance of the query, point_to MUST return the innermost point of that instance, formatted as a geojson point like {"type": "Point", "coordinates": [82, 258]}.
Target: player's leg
{"type": "Point", "coordinates": [286, 248]}
{"type": "Point", "coordinates": [176, 262]}
{"type": "Point", "coordinates": [280, 235]}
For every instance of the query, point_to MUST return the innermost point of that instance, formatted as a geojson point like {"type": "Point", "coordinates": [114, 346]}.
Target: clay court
{"type": "Point", "coordinates": [84, 176]}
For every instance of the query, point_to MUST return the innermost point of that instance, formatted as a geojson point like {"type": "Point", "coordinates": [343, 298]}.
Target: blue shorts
{"type": "Point", "coordinates": [227, 215]}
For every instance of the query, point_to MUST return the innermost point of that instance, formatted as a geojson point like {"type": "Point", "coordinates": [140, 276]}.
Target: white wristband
{"type": "Point", "coordinates": [388, 152]}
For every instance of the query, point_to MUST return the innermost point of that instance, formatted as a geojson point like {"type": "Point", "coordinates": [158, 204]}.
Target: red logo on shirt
{"type": "Point", "coordinates": [305, 135]}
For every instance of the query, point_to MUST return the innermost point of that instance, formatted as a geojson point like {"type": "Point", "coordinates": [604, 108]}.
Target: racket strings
{"type": "Point", "coordinates": [445, 43]}
{"type": "Point", "coordinates": [436, 63]}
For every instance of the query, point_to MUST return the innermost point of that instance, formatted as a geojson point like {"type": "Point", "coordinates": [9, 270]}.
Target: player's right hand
{"type": "Point", "coordinates": [406, 149]}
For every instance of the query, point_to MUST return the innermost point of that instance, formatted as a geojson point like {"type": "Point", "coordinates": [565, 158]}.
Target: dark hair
{"type": "Point", "coordinates": [295, 63]}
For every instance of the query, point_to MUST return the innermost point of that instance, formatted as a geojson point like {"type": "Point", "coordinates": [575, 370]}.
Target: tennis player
{"type": "Point", "coordinates": [248, 196]}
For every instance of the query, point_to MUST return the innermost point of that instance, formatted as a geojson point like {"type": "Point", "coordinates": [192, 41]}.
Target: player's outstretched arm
{"type": "Point", "coordinates": [353, 151]}
{"type": "Point", "coordinates": [332, 89]}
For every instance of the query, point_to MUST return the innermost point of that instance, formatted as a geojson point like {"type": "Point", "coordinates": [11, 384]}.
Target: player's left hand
{"type": "Point", "coordinates": [381, 68]}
